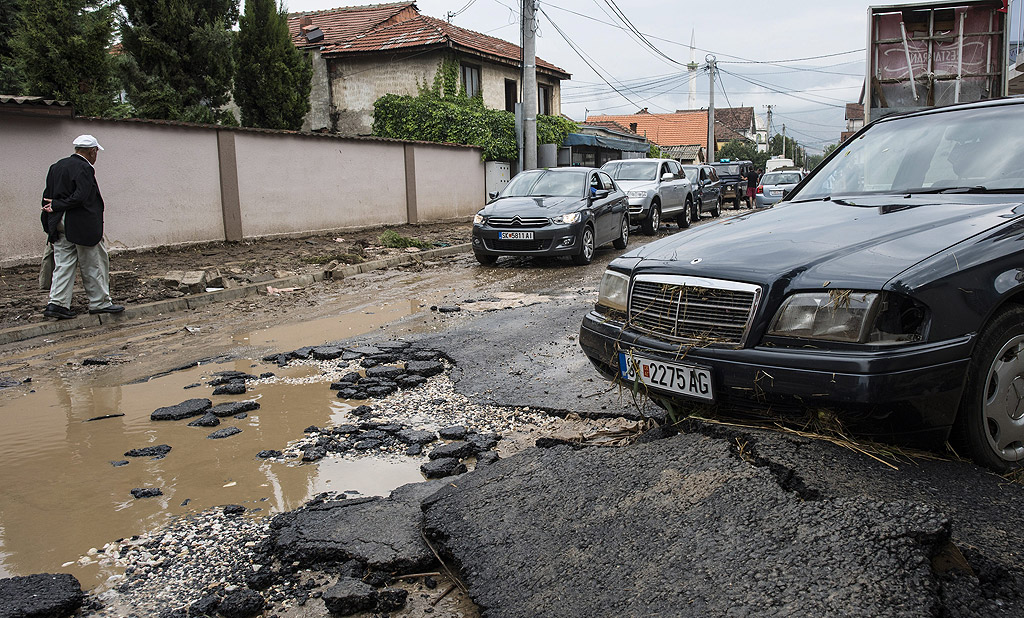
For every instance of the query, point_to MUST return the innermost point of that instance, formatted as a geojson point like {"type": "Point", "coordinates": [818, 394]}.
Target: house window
{"type": "Point", "coordinates": [471, 79]}
{"type": "Point", "coordinates": [511, 94]}
{"type": "Point", "coordinates": [543, 99]}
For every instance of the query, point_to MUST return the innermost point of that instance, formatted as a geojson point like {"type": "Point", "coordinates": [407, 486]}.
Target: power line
{"type": "Point", "coordinates": [741, 58]}
{"type": "Point", "coordinates": [583, 58]}
{"type": "Point", "coordinates": [778, 90]}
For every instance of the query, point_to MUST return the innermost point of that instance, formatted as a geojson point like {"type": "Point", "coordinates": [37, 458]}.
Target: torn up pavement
{"type": "Point", "coordinates": [693, 526]}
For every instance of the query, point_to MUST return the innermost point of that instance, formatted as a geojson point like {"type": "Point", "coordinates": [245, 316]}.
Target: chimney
{"type": "Point", "coordinates": [305, 20]}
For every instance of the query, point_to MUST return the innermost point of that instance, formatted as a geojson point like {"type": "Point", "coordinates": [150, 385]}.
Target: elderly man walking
{"type": "Point", "coordinates": [73, 221]}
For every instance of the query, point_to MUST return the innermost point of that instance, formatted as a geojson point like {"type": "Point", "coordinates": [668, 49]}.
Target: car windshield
{"type": "Point", "coordinates": [728, 170]}
{"type": "Point", "coordinates": [788, 178]}
{"type": "Point", "coordinates": [691, 171]}
{"type": "Point", "coordinates": [633, 170]}
{"type": "Point", "coordinates": [542, 183]}
{"type": "Point", "coordinates": [965, 150]}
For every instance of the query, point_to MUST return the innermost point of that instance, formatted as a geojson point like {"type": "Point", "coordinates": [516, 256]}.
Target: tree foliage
{"type": "Point", "coordinates": [12, 78]}
{"type": "Point", "coordinates": [791, 150]}
{"type": "Point", "coordinates": [178, 58]}
{"type": "Point", "coordinates": [740, 150]}
{"type": "Point", "coordinates": [272, 77]}
{"type": "Point", "coordinates": [443, 113]}
{"type": "Point", "coordinates": [62, 50]}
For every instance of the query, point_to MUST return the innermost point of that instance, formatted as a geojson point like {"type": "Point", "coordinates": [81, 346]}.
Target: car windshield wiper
{"type": "Point", "coordinates": [974, 189]}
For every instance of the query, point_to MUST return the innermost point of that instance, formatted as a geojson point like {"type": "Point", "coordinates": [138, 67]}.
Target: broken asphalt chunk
{"type": "Point", "coordinates": [426, 368]}
{"type": "Point", "coordinates": [349, 596]}
{"type": "Point", "coordinates": [441, 468]}
{"type": "Point", "coordinates": [146, 492]}
{"type": "Point", "coordinates": [40, 595]}
{"type": "Point", "coordinates": [232, 408]}
{"type": "Point", "coordinates": [224, 433]}
{"type": "Point", "coordinates": [159, 450]}
{"type": "Point", "coordinates": [206, 420]}
{"type": "Point", "coordinates": [183, 410]}
{"type": "Point", "coordinates": [457, 449]}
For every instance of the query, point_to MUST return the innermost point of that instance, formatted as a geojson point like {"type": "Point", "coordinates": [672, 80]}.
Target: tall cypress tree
{"type": "Point", "coordinates": [12, 80]}
{"type": "Point", "coordinates": [178, 61]}
{"type": "Point", "coordinates": [272, 76]}
{"type": "Point", "coordinates": [63, 46]}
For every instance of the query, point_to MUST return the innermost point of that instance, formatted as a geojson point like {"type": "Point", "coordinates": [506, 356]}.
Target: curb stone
{"type": "Point", "coordinates": [195, 301]}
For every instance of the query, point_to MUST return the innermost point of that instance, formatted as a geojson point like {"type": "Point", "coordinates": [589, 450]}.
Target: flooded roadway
{"type": "Point", "coordinates": [60, 495]}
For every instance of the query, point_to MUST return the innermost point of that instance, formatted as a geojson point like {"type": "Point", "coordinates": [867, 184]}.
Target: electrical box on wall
{"type": "Point", "coordinates": [496, 176]}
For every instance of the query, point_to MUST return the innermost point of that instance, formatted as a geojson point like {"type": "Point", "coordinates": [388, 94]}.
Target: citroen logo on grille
{"type": "Point", "coordinates": [516, 220]}
{"type": "Point", "coordinates": [696, 260]}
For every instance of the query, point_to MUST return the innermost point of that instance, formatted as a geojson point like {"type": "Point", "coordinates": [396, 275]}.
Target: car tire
{"type": "Point", "coordinates": [484, 259]}
{"type": "Point", "coordinates": [991, 410]}
{"type": "Point", "coordinates": [623, 239]}
{"type": "Point", "coordinates": [651, 224]}
{"type": "Point", "coordinates": [736, 203]}
{"type": "Point", "coordinates": [717, 210]}
{"type": "Point", "coordinates": [684, 220]}
{"type": "Point", "coordinates": [587, 247]}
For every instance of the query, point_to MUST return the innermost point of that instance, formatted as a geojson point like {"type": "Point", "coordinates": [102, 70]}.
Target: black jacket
{"type": "Point", "coordinates": [71, 184]}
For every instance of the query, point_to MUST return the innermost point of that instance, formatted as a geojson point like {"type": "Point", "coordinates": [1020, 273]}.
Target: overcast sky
{"type": "Point", "coordinates": [769, 53]}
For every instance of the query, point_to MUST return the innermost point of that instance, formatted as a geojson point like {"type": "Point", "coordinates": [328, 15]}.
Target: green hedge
{"type": "Point", "coordinates": [459, 120]}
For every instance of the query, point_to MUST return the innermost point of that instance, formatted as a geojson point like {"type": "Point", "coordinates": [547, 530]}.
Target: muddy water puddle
{"type": "Point", "coordinates": [60, 494]}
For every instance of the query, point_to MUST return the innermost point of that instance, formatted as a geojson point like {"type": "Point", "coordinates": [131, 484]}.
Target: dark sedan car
{"type": "Point", "coordinates": [888, 288]}
{"type": "Point", "coordinates": [562, 211]}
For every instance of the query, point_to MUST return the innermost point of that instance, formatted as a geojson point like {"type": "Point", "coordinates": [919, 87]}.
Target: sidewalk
{"type": "Point", "coordinates": [247, 268]}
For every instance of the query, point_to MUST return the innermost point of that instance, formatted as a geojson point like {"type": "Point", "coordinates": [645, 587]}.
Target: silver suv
{"type": "Point", "coordinates": [656, 188]}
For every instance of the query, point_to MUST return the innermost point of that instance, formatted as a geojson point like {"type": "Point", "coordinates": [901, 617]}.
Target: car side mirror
{"type": "Point", "coordinates": [668, 176]}
{"type": "Point", "coordinates": [493, 195]}
{"type": "Point", "coordinates": [600, 194]}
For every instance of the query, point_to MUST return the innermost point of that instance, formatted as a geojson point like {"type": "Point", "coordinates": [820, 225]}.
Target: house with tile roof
{"type": "Point", "coordinates": [673, 131]}
{"type": "Point", "coordinates": [361, 53]}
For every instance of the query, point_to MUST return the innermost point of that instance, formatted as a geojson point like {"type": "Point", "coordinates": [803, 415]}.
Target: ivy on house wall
{"type": "Point", "coordinates": [443, 113]}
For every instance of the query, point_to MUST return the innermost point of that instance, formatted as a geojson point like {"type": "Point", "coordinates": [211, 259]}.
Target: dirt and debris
{"type": "Point", "coordinates": [146, 276]}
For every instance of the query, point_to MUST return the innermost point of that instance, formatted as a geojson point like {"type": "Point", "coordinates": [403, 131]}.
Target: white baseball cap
{"type": "Point", "coordinates": [86, 141]}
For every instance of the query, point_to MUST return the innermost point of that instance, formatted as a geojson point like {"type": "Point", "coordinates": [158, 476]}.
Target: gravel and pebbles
{"type": "Point", "coordinates": [211, 562]}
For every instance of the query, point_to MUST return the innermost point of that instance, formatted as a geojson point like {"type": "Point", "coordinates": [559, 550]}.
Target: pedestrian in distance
{"type": "Point", "coordinates": [72, 217]}
{"type": "Point", "coordinates": [752, 179]}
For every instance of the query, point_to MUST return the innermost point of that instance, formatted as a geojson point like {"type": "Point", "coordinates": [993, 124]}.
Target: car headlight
{"type": "Point", "coordinates": [478, 219]}
{"type": "Point", "coordinates": [635, 194]}
{"type": "Point", "coordinates": [572, 217]}
{"type": "Point", "coordinates": [849, 316]}
{"type": "Point", "coordinates": [837, 315]}
{"type": "Point", "coordinates": [614, 291]}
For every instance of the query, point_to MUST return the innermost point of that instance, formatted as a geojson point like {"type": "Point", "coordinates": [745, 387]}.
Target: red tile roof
{"type": "Point", "coordinates": [679, 129]}
{"type": "Point", "coordinates": [388, 27]}
{"type": "Point", "coordinates": [855, 111]}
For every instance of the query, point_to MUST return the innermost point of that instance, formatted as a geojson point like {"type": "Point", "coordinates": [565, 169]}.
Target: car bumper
{"type": "Point", "coordinates": [639, 208]}
{"type": "Point", "coordinates": [912, 393]}
{"type": "Point", "coordinates": [547, 240]}
{"type": "Point", "coordinates": [764, 201]}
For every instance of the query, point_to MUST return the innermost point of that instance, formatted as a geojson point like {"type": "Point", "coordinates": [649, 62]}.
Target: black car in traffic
{"type": "Point", "coordinates": [561, 211]}
{"type": "Point", "coordinates": [888, 288]}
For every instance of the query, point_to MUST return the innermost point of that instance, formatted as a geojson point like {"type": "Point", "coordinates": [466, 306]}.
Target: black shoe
{"type": "Point", "coordinates": [56, 311]}
{"type": "Point", "coordinates": [108, 309]}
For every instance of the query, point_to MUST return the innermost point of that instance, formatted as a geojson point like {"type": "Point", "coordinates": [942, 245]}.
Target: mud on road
{"type": "Point", "coordinates": [611, 517]}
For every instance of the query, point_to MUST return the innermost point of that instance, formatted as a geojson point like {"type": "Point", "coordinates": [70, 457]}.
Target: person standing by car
{"type": "Point", "coordinates": [752, 178]}
{"type": "Point", "coordinates": [72, 217]}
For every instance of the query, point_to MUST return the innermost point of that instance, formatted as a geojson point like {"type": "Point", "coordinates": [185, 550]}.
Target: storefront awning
{"type": "Point", "coordinates": [611, 143]}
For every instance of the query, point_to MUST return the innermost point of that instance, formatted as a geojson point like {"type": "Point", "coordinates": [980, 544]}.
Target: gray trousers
{"type": "Point", "coordinates": [95, 266]}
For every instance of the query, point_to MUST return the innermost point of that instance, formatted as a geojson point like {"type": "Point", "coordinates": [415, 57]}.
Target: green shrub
{"type": "Point", "coordinates": [391, 238]}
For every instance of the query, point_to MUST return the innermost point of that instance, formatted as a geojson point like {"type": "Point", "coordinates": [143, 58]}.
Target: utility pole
{"type": "Point", "coordinates": [710, 59]}
{"type": "Point", "coordinates": [529, 27]}
{"type": "Point", "coordinates": [783, 140]}
{"type": "Point", "coordinates": [768, 132]}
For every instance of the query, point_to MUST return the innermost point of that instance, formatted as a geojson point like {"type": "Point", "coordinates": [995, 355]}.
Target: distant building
{"type": "Point", "coordinates": [854, 120]}
{"type": "Point", "coordinates": [596, 143]}
{"type": "Point", "coordinates": [686, 128]}
{"type": "Point", "coordinates": [361, 53]}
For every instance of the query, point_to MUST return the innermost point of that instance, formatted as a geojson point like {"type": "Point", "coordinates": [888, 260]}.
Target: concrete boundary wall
{"type": "Point", "coordinates": [174, 183]}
